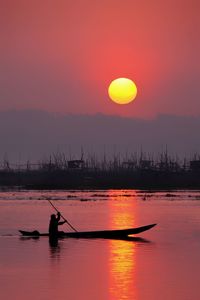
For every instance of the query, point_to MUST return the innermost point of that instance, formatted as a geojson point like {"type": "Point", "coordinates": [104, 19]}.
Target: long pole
{"type": "Point", "coordinates": [62, 216]}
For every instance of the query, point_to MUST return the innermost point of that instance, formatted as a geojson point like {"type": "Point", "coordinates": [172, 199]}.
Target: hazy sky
{"type": "Point", "coordinates": [61, 55]}
{"type": "Point", "coordinates": [34, 135]}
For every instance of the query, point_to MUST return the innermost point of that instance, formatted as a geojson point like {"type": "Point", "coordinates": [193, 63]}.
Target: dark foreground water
{"type": "Point", "coordinates": [164, 265]}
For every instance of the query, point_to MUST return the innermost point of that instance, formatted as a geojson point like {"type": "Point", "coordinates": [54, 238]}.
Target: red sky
{"type": "Point", "coordinates": [61, 55]}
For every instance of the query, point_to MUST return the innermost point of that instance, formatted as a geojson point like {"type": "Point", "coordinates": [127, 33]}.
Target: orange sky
{"type": "Point", "coordinates": [61, 55]}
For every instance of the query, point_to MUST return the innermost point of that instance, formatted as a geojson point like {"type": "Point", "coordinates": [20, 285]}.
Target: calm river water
{"type": "Point", "coordinates": [164, 265]}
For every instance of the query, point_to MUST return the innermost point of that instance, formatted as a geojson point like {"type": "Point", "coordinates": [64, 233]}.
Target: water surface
{"type": "Point", "coordinates": [163, 265]}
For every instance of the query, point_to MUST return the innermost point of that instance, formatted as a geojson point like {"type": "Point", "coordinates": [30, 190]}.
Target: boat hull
{"type": "Point", "coordinates": [120, 233]}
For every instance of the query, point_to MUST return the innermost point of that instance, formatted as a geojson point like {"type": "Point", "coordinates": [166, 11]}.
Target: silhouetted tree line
{"type": "Point", "coordinates": [129, 171]}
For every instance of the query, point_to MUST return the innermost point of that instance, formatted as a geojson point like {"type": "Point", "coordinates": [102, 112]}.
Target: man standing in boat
{"type": "Point", "coordinates": [53, 225]}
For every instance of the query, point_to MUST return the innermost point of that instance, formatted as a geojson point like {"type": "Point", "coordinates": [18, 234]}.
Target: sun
{"type": "Point", "coordinates": [122, 90]}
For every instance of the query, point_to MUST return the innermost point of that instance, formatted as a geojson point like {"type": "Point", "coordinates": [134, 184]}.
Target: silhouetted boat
{"type": "Point", "coordinates": [104, 234]}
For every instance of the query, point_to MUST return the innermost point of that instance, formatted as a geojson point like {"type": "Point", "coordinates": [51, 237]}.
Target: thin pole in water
{"type": "Point", "coordinates": [62, 216]}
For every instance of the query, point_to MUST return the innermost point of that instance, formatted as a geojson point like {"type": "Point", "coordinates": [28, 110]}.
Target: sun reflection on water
{"type": "Point", "coordinates": [122, 260]}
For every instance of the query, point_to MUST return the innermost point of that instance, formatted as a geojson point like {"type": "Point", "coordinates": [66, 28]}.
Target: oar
{"type": "Point", "coordinates": [62, 216]}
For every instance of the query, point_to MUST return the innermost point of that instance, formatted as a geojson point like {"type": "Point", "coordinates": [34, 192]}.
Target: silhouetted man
{"type": "Point", "coordinates": [53, 225]}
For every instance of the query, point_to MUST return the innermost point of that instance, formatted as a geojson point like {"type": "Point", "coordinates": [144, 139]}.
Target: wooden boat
{"type": "Point", "coordinates": [103, 234]}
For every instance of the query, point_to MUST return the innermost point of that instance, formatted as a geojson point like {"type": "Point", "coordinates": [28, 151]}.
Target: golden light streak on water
{"type": "Point", "coordinates": [122, 261]}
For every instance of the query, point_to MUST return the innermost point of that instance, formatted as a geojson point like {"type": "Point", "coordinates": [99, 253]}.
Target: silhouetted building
{"type": "Point", "coordinates": [145, 164]}
{"type": "Point", "coordinates": [75, 164]}
{"type": "Point", "coordinates": [129, 165]}
{"type": "Point", "coordinates": [195, 165]}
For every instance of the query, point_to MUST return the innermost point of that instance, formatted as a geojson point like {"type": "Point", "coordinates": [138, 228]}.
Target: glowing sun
{"type": "Point", "coordinates": [122, 90]}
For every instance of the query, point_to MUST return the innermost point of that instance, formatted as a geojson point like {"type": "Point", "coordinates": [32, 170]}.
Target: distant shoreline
{"type": "Point", "coordinates": [99, 179]}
